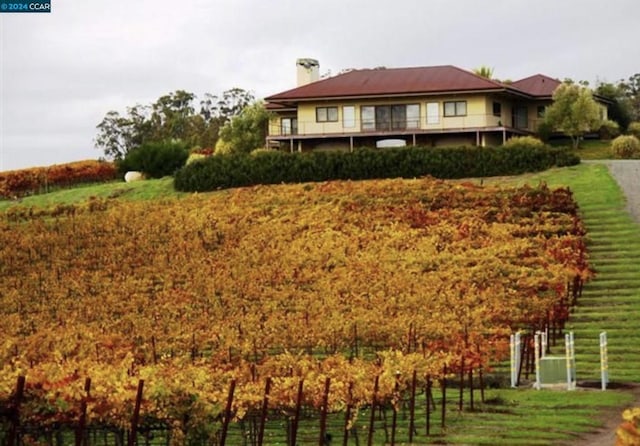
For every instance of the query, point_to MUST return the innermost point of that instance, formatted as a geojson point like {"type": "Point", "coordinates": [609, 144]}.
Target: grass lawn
{"type": "Point", "coordinates": [139, 190]}
{"type": "Point", "coordinates": [589, 149]}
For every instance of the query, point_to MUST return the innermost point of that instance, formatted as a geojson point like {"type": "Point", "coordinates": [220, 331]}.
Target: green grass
{"type": "Point", "coordinates": [516, 417]}
{"type": "Point", "coordinates": [589, 149]}
{"type": "Point", "coordinates": [140, 190]}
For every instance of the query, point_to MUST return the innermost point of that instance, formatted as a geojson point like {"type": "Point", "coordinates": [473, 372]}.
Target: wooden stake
{"type": "Point", "coordinates": [227, 413]}
{"type": "Point", "coordinates": [265, 408]}
{"type": "Point", "coordinates": [323, 414]}
{"type": "Point", "coordinates": [136, 415]}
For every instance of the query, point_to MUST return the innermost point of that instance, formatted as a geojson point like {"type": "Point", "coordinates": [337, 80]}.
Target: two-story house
{"type": "Point", "coordinates": [435, 106]}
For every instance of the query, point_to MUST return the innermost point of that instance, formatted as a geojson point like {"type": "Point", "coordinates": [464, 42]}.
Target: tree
{"type": "Point", "coordinates": [484, 71]}
{"type": "Point", "coordinates": [172, 117]}
{"type": "Point", "coordinates": [118, 134]}
{"type": "Point", "coordinates": [245, 132]}
{"type": "Point", "coordinates": [573, 112]}
{"type": "Point", "coordinates": [631, 88]}
{"type": "Point", "coordinates": [619, 109]}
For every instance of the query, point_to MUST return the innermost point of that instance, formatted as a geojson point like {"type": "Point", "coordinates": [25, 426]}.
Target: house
{"type": "Point", "coordinates": [434, 106]}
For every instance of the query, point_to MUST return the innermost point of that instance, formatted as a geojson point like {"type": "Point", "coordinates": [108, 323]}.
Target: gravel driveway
{"type": "Point", "coordinates": [627, 174]}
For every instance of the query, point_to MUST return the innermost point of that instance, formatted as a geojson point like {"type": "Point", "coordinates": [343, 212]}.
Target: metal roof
{"type": "Point", "coordinates": [537, 85]}
{"type": "Point", "coordinates": [391, 81]}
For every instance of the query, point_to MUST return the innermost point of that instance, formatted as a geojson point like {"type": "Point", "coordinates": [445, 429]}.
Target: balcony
{"type": "Point", "coordinates": [357, 127]}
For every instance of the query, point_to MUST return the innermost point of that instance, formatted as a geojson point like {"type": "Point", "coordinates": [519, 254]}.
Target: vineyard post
{"type": "Point", "coordinates": [412, 406]}
{"type": "Point", "coordinates": [471, 388]}
{"type": "Point", "coordinates": [573, 359]}
{"type": "Point", "coordinates": [227, 413]}
{"type": "Point", "coordinates": [396, 395]}
{"type": "Point", "coordinates": [373, 411]}
{"type": "Point", "coordinates": [15, 411]}
{"type": "Point", "coordinates": [536, 350]}
{"type": "Point", "coordinates": [153, 349]}
{"type": "Point", "coordinates": [347, 416]}
{"type": "Point", "coordinates": [512, 362]}
{"type": "Point", "coordinates": [265, 408]}
{"type": "Point", "coordinates": [461, 397]}
{"type": "Point", "coordinates": [323, 414]}
{"type": "Point", "coordinates": [83, 413]}
{"type": "Point", "coordinates": [444, 396]}
{"type": "Point", "coordinates": [427, 398]}
{"type": "Point", "coordinates": [604, 361]}
{"type": "Point", "coordinates": [570, 359]}
{"type": "Point", "coordinates": [294, 426]}
{"type": "Point", "coordinates": [136, 415]}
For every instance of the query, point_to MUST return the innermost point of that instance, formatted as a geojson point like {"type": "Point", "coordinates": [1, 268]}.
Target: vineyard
{"type": "Point", "coordinates": [257, 303]}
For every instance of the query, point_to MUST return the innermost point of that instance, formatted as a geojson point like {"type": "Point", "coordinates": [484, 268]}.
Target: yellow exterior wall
{"type": "Point", "coordinates": [477, 115]}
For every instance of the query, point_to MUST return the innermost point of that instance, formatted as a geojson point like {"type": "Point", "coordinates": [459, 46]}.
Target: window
{"type": "Point", "coordinates": [541, 110]}
{"type": "Point", "coordinates": [368, 116]}
{"type": "Point", "coordinates": [289, 126]}
{"type": "Point", "coordinates": [390, 117]}
{"type": "Point", "coordinates": [455, 108]}
{"type": "Point", "coordinates": [497, 109]}
{"type": "Point", "coordinates": [413, 116]}
{"type": "Point", "coordinates": [326, 114]}
{"type": "Point", "coordinates": [348, 116]}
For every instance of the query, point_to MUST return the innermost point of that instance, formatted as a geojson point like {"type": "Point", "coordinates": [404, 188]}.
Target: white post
{"type": "Point", "coordinates": [573, 359]}
{"type": "Point", "coordinates": [568, 345]}
{"type": "Point", "coordinates": [536, 344]}
{"type": "Point", "coordinates": [543, 353]}
{"type": "Point", "coordinates": [512, 350]}
{"type": "Point", "coordinates": [604, 361]}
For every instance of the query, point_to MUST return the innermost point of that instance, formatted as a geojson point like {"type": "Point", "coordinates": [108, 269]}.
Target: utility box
{"type": "Point", "coordinates": [553, 370]}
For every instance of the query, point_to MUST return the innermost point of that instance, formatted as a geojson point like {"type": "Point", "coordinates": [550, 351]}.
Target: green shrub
{"type": "Point", "coordinates": [634, 129]}
{"type": "Point", "coordinates": [626, 146]}
{"type": "Point", "coordinates": [544, 131]}
{"type": "Point", "coordinates": [524, 142]}
{"type": "Point", "coordinates": [155, 159]}
{"type": "Point", "coordinates": [609, 129]}
{"type": "Point", "coordinates": [274, 167]}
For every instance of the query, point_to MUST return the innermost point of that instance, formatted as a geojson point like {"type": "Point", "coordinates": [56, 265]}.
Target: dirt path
{"type": "Point", "coordinates": [627, 174]}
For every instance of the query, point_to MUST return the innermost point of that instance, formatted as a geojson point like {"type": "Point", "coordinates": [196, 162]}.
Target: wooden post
{"type": "Point", "coordinates": [347, 417]}
{"type": "Point", "coordinates": [412, 406]}
{"type": "Point", "coordinates": [323, 414]}
{"type": "Point", "coordinates": [471, 388]}
{"type": "Point", "coordinates": [83, 413]}
{"type": "Point", "coordinates": [153, 349]}
{"type": "Point", "coordinates": [227, 413]}
{"type": "Point", "coordinates": [265, 408]}
{"type": "Point", "coordinates": [373, 411]}
{"type": "Point", "coordinates": [15, 412]}
{"type": "Point", "coordinates": [136, 415]}
{"type": "Point", "coordinates": [396, 395]}
{"type": "Point", "coordinates": [444, 396]}
{"type": "Point", "coordinates": [481, 378]}
{"type": "Point", "coordinates": [296, 419]}
{"type": "Point", "coordinates": [461, 399]}
{"type": "Point", "coordinates": [427, 398]}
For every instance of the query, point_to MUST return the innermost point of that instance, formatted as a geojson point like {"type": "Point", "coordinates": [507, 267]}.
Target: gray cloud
{"type": "Point", "coordinates": [62, 72]}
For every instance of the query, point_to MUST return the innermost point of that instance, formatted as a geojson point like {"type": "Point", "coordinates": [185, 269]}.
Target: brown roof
{"type": "Point", "coordinates": [537, 85]}
{"type": "Point", "coordinates": [390, 81]}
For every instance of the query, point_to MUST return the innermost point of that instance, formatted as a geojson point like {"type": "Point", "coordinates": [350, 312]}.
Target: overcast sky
{"type": "Point", "coordinates": [62, 72]}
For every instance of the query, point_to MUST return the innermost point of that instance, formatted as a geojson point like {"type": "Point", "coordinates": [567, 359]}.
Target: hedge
{"type": "Point", "coordinates": [34, 180]}
{"type": "Point", "coordinates": [274, 167]}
